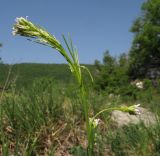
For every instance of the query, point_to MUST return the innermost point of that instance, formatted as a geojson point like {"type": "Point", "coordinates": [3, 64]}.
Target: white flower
{"type": "Point", "coordinates": [137, 111]}
{"type": "Point", "coordinates": [139, 85]}
{"type": "Point", "coordinates": [134, 109]}
{"type": "Point", "coordinates": [94, 122]}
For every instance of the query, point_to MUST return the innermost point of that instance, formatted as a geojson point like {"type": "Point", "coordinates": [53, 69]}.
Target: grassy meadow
{"type": "Point", "coordinates": [66, 109]}
{"type": "Point", "coordinates": [41, 114]}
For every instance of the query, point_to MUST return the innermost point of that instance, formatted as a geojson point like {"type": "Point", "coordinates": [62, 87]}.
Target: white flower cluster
{"type": "Point", "coordinates": [139, 85]}
{"type": "Point", "coordinates": [136, 109]}
{"type": "Point", "coordinates": [94, 122]}
{"type": "Point", "coordinates": [131, 109]}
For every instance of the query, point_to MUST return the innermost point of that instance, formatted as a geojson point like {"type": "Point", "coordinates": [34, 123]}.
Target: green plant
{"type": "Point", "coordinates": [144, 53]}
{"type": "Point", "coordinates": [135, 140]}
{"type": "Point", "coordinates": [23, 27]}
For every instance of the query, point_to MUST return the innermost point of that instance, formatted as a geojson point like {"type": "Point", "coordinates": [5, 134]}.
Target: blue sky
{"type": "Point", "coordinates": [94, 25]}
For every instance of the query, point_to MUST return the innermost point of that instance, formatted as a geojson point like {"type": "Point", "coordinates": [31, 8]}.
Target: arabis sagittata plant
{"type": "Point", "coordinates": [24, 27]}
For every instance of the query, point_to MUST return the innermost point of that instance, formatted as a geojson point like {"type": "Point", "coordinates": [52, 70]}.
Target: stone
{"type": "Point", "coordinates": [120, 119]}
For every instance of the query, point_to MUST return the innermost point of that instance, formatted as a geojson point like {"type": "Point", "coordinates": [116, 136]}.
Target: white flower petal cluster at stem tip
{"type": "Point", "coordinates": [94, 122]}
{"type": "Point", "coordinates": [137, 110]}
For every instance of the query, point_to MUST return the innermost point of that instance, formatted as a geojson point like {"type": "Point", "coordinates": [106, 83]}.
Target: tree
{"type": "Point", "coordinates": [145, 50]}
{"type": "Point", "coordinates": [123, 60]}
{"type": "Point", "coordinates": [111, 73]}
{"type": "Point", "coordinates": [108, 60]}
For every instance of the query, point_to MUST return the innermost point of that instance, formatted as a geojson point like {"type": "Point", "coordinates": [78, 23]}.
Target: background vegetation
{"type": "Point", "coordinates": [40, 111]}
{"type": "Point", "coordinates": [24, 74]}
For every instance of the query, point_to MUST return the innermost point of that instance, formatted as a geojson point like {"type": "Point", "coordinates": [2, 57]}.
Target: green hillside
{"type": "Point", "coordinates": [24, 74]}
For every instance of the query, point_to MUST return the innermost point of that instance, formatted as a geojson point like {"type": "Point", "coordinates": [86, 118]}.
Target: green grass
{"type": "Point", "coordinates": [25, 115]}
{"type": "Point", "coordinates": [135, 140]}
{"type": "Point", "coordinates": [39, 120]}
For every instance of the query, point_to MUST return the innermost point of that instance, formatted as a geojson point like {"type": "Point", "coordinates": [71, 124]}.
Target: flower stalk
{"type": "Point", "coordinates": [133, 109]}
{"type": "Point", "coordinates": [24, 27]}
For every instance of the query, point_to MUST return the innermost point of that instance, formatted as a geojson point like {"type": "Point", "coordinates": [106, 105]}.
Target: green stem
{"type": "Point", "coordinates": [90, 130]}
{"type": "Point", "coordinates": [107, 109]}
{"type": "Point", "coordinates": [85, 106]}
{"type": "Point", "coordinates": [86, 115]}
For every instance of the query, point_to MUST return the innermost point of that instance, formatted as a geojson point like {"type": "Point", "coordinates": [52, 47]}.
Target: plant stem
{"type": "Point", "coordinates": [26, 28]}
{"type": "Point", "coordinates": [107, 109]}
{"type": "Point", "coordinates": [86, 115]}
